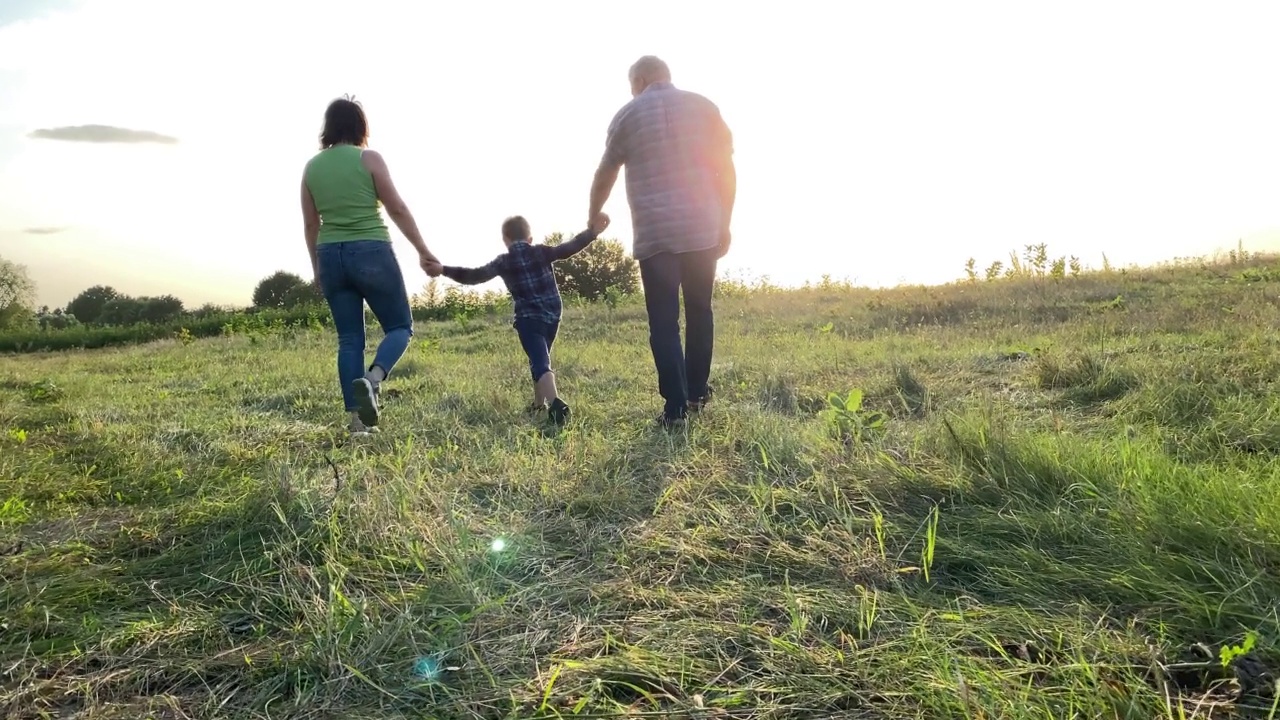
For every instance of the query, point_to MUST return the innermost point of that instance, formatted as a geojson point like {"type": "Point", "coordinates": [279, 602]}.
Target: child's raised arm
{"type": "Point", "coordinates": [579, 243]}
{"type": "Point", "coordinates": [475, 276]}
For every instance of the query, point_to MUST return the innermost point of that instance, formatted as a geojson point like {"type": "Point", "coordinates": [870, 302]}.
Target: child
{"type": "Point", "coordinates": [526, 270]}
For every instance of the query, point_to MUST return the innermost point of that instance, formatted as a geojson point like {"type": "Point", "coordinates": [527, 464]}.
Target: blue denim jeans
{"type": "Point", "coordinates": [682, 376]}
{"type": "Point", "coordinates": [351, 274]}
{"type": "Point", "coordinates": [537, 337]}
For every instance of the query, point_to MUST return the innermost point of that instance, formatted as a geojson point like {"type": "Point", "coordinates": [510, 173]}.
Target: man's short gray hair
{"type": "Point", "coordinates": [651, 68]}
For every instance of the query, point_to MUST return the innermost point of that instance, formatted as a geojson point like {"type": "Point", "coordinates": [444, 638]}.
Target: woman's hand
{"type": "Point", "coordinates": [430, 265]}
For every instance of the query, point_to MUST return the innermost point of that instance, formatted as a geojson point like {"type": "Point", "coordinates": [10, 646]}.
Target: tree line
{"type": "Point", "coordinates": [602, 270]}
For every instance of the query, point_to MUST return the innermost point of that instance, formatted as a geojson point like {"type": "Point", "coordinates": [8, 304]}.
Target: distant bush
{"type": "Point", "coordinates": [126, 310]}
{"type": "Point", "coordinates": [88, 306]}
{"type": "Point", "coordinates": [592, 273]}
{"type": "Point", "coordinates": [56, 320]}
{"type": "Point", "coordinates": [210, 309]}
{"type": "Point", "coordinates": [283, 290]}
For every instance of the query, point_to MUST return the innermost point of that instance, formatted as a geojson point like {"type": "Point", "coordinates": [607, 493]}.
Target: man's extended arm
{"type": "Point", "coordinates": [474, 276]}
{"type": "Point", "coordinates": [571, 248]}
{"type": "Point", "coordinates": [610, 165]}
{"type": "Point", "coordinates": [602, 186]}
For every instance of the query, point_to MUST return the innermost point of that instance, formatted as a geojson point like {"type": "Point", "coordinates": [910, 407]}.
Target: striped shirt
{"type": "Point", "coordinates": [671, 142]}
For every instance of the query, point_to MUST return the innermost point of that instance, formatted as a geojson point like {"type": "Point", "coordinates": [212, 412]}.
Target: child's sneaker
{"type": "Point", "coordinates": [367, 400]}
{"type": "Point", "coordinates": [558, 412]}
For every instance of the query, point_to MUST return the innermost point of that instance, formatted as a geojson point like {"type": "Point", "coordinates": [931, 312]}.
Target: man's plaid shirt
{"type": "Point", "coordinates": [526, 270]}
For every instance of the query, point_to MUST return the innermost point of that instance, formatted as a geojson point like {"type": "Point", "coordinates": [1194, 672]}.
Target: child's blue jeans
{"type": "Point", "coordinates": [537, 337]}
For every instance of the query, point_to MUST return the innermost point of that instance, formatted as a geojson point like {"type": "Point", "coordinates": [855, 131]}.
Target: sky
{"type": "Point", "coordinates": [158, 146]}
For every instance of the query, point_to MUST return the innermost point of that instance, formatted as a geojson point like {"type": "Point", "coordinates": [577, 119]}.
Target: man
{"type": "Point", "coordinates": [681, 185]}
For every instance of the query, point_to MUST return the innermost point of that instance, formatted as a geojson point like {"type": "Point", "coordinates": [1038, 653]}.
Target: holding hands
{"type": "Point", "coordinates": [599, 223]}
{"type": "Point", "coordinates": [430, 265]}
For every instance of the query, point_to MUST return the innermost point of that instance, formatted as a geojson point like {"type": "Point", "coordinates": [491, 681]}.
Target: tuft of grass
{"type": "Point", "coordinates": [185, 531]}
{"type": "Point", "coordinates": [911, 393]}
{"type": "Point", "coordinates": [1084, 378]}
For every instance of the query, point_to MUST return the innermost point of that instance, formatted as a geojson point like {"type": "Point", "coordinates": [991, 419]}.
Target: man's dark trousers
{"type": "Point", "coordinates": [681, 377]}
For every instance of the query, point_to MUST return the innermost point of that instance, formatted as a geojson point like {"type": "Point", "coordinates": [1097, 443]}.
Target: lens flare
{"type": "Point", "coordinates": [425, 668]}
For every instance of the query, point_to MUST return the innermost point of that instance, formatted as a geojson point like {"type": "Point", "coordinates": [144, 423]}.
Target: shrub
{"type": "Point", "coordinates": [158, 310]}
{"type": "Point", "coordinates": [56, 320]}
{"type": "Point", "coordinates": [591, 273]}
{"type": "Point", "coordinates": [305, 295]}
{"type": "Point", "coordinates": [283, 290]}
{"type": "Point", "coordinates": [102, 305]}
{"type": "Point", "coordinates": [210, 309]}
{"type": "Point", "coordinates": [88, 306]}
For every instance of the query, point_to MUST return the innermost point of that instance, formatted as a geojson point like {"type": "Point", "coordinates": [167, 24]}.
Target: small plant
{"type": "Point", "coordinates": [877, 521]}
{"type": "Point", "coordinates": [971, 270]}
{"type": "Point", "coordinates": [184, 336]}
{"type": "Point", "coordinates": [18, 435]}
{"type": "Point", "coordinates": [867, 610]}
{"type": "Point", "coordinates": [930, 542]}
{"type": "Point", "coordinates": [612, 296]}
{"type": "Point", "coordinates": [44, 391]}
{"type": "Point", "coordinates": [1260, 275]}
{"type": "Point", "coordinates": [994, 271]}
{"type": "Point", "coordinates": [1228, 653]}
{"type": "Point", "coordinates": [1036, 258]}
{"type": "Point", "coordinates": [849, 420]}
{"type": "Point", "coordinates": [1058, 270]}
{"type": "Point", "coordinates": [14, 510]}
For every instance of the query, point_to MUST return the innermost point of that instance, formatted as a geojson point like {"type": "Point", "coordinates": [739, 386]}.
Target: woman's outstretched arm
{"type": "Point", "coordinates": [395, 205]}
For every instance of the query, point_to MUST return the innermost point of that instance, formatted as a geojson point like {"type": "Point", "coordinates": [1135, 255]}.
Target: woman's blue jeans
{"type": "Point", "coordinates": [351, 274]}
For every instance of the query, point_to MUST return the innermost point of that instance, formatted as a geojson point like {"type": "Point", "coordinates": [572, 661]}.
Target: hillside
{"type": "Point", "coordinates": [1058, 499]}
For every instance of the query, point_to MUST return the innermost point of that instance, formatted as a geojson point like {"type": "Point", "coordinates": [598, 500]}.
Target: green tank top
{"type": "Point", "coordinates": [345, 196]}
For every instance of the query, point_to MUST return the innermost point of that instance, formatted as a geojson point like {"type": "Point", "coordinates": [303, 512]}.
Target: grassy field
{"type": "Point", "coordinates": [1057, 500]}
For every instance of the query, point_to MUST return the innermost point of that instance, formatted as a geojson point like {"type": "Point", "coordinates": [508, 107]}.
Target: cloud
{"type": "Point", "coordinates": [102, 134]}
{"type": "Point", "coordinates": [43, 230]}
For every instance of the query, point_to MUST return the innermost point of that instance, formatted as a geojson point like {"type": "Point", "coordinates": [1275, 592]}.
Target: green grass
{"type": "Point", "coordinates": [1071, 506]}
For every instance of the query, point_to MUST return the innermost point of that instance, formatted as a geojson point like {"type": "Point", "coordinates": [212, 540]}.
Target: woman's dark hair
{"type": "Point", "coordinates": [344, 122]}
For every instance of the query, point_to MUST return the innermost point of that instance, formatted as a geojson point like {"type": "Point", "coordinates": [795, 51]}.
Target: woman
{"type": "Point", "coordinates": [351, 254]}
